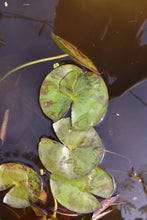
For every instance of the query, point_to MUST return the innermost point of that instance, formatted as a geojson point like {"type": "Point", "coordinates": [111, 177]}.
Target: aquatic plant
{"type": "Point", "coordinates": [76, 180]}
{"type": "Point", "coordinates": [23, 183]}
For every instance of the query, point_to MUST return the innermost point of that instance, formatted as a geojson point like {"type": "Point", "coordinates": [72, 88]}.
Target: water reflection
{"type": "Point", "coordinates": [112, 33]}
{"type": "Point", "coordinates": [132, 193]}
{"type": "Point", "coordinates": [10, 15]}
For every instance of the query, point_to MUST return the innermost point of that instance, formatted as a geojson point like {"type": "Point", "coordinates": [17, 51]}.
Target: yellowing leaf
{"type": "Point", "coordinates": [23, 183]}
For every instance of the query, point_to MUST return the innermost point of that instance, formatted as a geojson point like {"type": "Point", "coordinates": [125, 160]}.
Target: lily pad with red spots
{"type": "Point", "coordinates": [85, 92]}
{"type": "Point", "coordinates": [76, 156]}
{"type": "Point", "coordinates": [22, 182]}
{"type": "Point", "coordinates": [74, 53]}
{"type": "Point", "coordinates": [78, 194]}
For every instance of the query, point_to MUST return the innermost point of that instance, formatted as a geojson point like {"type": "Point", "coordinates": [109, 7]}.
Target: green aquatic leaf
{"type": "Point", "coordinates": [23, 183]}
{"type": "Point", "coordinates": [77, 194]}
{"type": "Point", "coordinates": [90, 100]}
{"type": "Point", "coordinates": [69, 84]}
{"type": "Point", "coordinates": [53, 103]}
{"type": "Point", "coordinates": [76, 156]}
{"type": "Point", "coordinates": [74, 53]}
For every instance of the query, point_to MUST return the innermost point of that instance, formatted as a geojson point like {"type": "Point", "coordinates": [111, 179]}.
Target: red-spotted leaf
{"type": "Point", "coordinates": [23, 183]}
{"type": "Point", "coordinates": [74, 53]}
{"type": "Point", "coordinates": [54, 104]}
{"type": "Point", "coordinates": [69, 84]}
{"type": "Point", "coordinates": [78, 194]}
{"type": "Point", "coordinates": [76, 156]}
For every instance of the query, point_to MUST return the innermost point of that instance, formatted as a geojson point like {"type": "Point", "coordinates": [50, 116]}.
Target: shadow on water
{"type": "Point", "coordinates": [113, 34]}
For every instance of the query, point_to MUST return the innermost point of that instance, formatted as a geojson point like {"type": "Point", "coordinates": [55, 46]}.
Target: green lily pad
{"type": "Point", "coordinates": [69, 84]}
{"type": "Point", "coordinates": [74, 53]}
{"type": "Point", "coordinates": [77, 194]}
{"type": "Point", "coordinates": [24, 184]}
{"type": "Point", "coordinates": [89, 96]}
{"type": "Point", "coordinates": [53, 103]}
{"type": "Point", "coordinates": [76, 156]}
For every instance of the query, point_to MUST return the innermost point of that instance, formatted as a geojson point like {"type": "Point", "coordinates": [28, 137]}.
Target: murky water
{"type": "Point", "coordinates": [113, 34]}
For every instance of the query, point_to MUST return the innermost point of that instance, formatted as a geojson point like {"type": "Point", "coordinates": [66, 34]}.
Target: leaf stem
{"type": "Point", "coordinates": [55, 207]}
{"type": "Point", "coordinates": [31, 63]}
{"type": "Point", "coordinates": [120, 155]}
{"type": "Point", "coordinates": [11, 210]}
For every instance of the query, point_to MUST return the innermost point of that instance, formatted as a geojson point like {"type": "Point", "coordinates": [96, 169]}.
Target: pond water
{"type": "Point", "coordinates": [113, 34]}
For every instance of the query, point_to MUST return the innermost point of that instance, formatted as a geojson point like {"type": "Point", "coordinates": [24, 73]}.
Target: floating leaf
{"type": "Point", "coordinates": [77, 156]}
{"type": "Point", "coordinates": [24, 184]}
{"type": "Point", "coordinates": [69, 84]}
{"type": "Point", "coordinates": [76, 194]}
{"type": "Point", "coordinates": [74, 53]}
{"type": "Point", "coordinates": [53, 103]}
{"type": "Point", "coordinates": [89, 102]}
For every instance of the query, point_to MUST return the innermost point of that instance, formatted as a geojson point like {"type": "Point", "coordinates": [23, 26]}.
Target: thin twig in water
{"type": "Point", "coordinates": [11, 210]}
{"type": "Point", "coordinates": [106, 28]}
{"type": "Point", "coordinates": [19, 16]}
{"type": "Point", "coordinates": [4, 126]}
{"type": "Point", "coordinates": [42, 27]}
{"type": "Point", "coordinates": [17, 80]}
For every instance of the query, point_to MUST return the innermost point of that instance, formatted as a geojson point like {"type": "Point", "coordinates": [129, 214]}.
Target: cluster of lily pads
{"type": "Point", "coordinates": [76, 180]}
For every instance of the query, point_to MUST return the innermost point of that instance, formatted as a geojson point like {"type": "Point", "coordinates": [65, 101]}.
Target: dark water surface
{"type": "Point", "coordinates": [113, 34]}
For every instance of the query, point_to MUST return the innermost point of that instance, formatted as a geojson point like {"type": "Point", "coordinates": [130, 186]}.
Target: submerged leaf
{"type": "Point", "coordinates": [69, 84]}
{"type": "Point", "coordinates": [24, 184]}
{"type": "Point", "coordinates": [74, 53]}
{"type": "Point", "coordinates": [77, 156]}
{"type": "Point", "coordinates": [76, 194]}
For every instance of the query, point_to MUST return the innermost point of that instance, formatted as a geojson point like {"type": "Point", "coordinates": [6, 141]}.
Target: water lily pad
{"type": "Point", "coordinates": [24, 184]}
{"type": "Point", "coordinates": [90, 98]}
{"type": "Point", "coordinates": [76, 156]}
{"type": "Point", "coordinates": [74, 53]}
{"type": "Point", "coordinates": [77, 194]}
{"type": "Point", "coordinates": [53, 103]}
{"type": "Point", "coordinates": [69, 84]}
